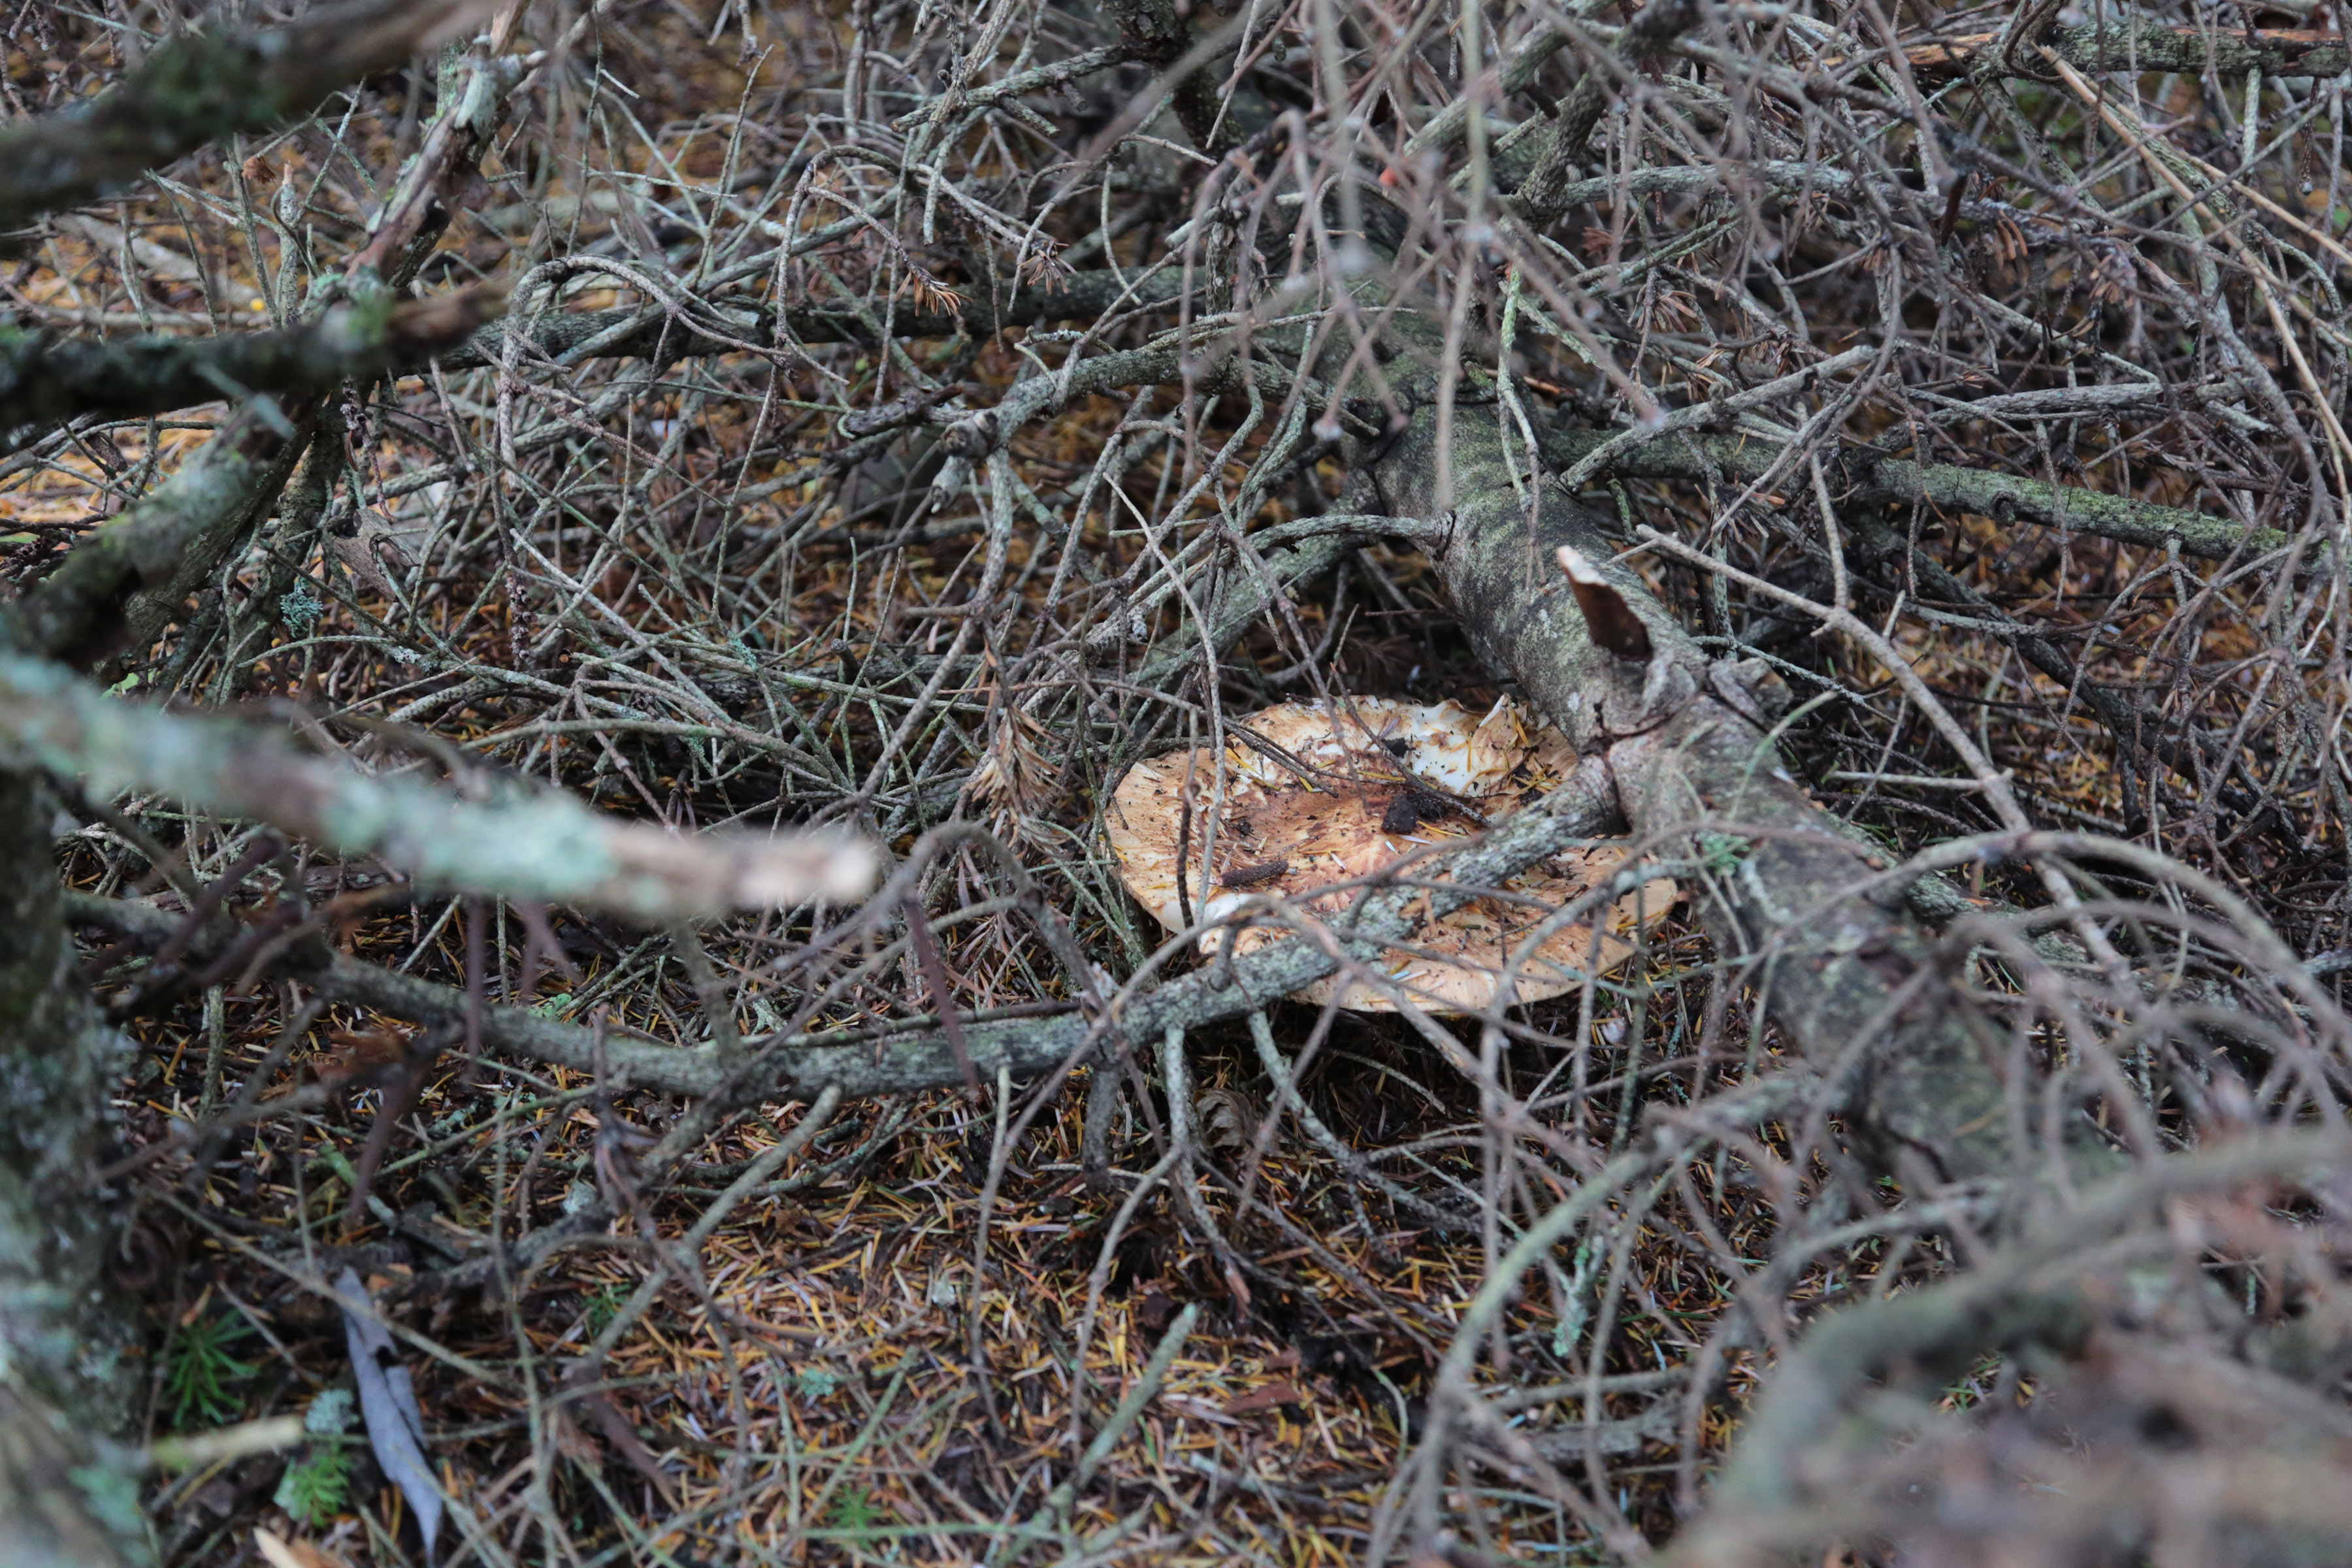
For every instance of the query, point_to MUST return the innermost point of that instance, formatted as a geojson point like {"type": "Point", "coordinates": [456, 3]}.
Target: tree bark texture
{"type": "Point", "coordinates": [68, 1346]}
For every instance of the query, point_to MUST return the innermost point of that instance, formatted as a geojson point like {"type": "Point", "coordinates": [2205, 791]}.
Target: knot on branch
{"type": "Point", "coordinates": [901, 411]}
{"type": "Point", "coordinates": [972, 439]}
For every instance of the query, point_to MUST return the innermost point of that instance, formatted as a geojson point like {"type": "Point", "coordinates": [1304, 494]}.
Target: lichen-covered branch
{"type": "Point", "coordinates": [69, 1498]}
{"type": "Point", "coordinates": [1684, 740]}
{"type": "Point", "coordinates": [2052, 1290]}
{"type": "Point", "coordinates": [644, 331]}
{"type": "Point", "coordinates": [865, 1063]}
{"type": "Point", "coordinates": [1159, 34]}
{"type": "Point", "coordinates": [118, 591]}
{"type": "Point", "coordinates": [67, 1366]}
{"type": "Point", "coordinates": [1867, 478]}
{"type": "Point", "coordinates": [541, 845]}
{"type": "Point", "coordinates": [1864, 480]}
{"type": "Point", "coordinates": [2134, 44]}
{"type": "Point", "coordinates": [119, 588]}
{"type": "Point", "coordinates": [1562, 149]}
{"type": "Point", "coordinates": [207, 85]}
{"type": "Point", "coordinates": [46, 380]}
{"type": "Point", "coordinates": [893, 1062]}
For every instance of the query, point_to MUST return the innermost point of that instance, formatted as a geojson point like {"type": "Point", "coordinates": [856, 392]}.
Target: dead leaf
{"type": "Point", "coordinates": [280, 1552]}
{"type": "Point", "coordinates": [396, 1427]}
{"type": "Point", "coordinates": [360, 1060]}
{"type": "Point", "coordinates": [1229, 1119]}
{"type": "Point", "coordinates": [1265, 1398]}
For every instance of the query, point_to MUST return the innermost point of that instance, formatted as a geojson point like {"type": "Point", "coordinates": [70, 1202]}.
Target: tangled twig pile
{"type": "Point", "coordinates": [700, 507]}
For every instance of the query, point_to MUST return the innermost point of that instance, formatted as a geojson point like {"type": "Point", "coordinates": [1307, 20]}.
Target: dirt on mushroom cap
{"type": "Point", "coordinates": [1309, 796]}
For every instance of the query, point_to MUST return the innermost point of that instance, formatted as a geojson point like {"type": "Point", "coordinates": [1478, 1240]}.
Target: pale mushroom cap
{"type": "Point", "coordinates": [1276, 826]}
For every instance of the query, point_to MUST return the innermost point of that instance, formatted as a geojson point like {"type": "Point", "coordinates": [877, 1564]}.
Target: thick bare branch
{"type": "Point", "coordinates": [44, 381]}
{"type": "Point", "coordinates": [2137, 44]}
{"type": "Point", "coordinates": [1686, 746]}
{"type": "Point", "coordinates": [887, 1060]}
{"type": "Point", "coordinates": [64, 1335]}
{"type": "Point", "coordinates": [209, 86]}
{"type": "Point", "coordinates": [2052, 1290]}
{"type": "Point", "coordinates": [1946, 488]}
{"type": "Point", "coordinates": [160, 551]}
{"type": "Point", "coordinates": [637, 332]}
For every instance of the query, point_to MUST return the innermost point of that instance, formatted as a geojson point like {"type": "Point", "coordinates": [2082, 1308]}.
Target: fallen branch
{"type": "Point", "coordinates": [1945, 488]}
{"type": "Point", "coordinates": [2128, 44]}
{"type": "Point", "coordinates": [44, 381]}
{"type": "Point", "coordinates": [1542, 195]}
{"type": "Point", "coordinates": [1686, 747]}
{"type": "Point", "coordinates": [656, 331]}
{"type": "Point", "coordinates": [897, 1059]}
{"type": "Point", "coordinates": [160, 549]}
{"type": "Point", "coordinates": [209, 86]}
{"type": "Point", "coordinates": [67, 1342]}
{"type": "Point", "coordinates": [2037, 1291]}
{"type": "Point", "coordinates": [2134, 728]}
{"type": "Point", "coordinates": [539, 846]}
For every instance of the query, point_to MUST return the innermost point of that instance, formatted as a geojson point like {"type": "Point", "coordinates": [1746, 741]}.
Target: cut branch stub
{"type": "Point", "coordinates": [1611, 620]}
{"type": "Point", "coordinates": [971, 438]}
{"type": "Point", "coordinates": [1324, 799]}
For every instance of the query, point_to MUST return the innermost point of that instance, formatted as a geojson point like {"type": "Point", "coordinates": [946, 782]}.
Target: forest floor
{"type": "Point", "coordinates": [893, 1349]}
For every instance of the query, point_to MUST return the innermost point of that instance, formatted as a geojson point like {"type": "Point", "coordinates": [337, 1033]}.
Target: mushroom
{"type": "Point", "coordinates": [1313, 796]}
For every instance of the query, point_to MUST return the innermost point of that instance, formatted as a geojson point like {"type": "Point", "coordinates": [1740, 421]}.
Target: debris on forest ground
{"type": "Point", "coordinates": [395, 1426]}
{"type": "Point", "coordinates": [280, 1552]}
{"type": "Point", "coordinates": [1314, 797]}
{"type": "Point", "coordinates": [674, 537]}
